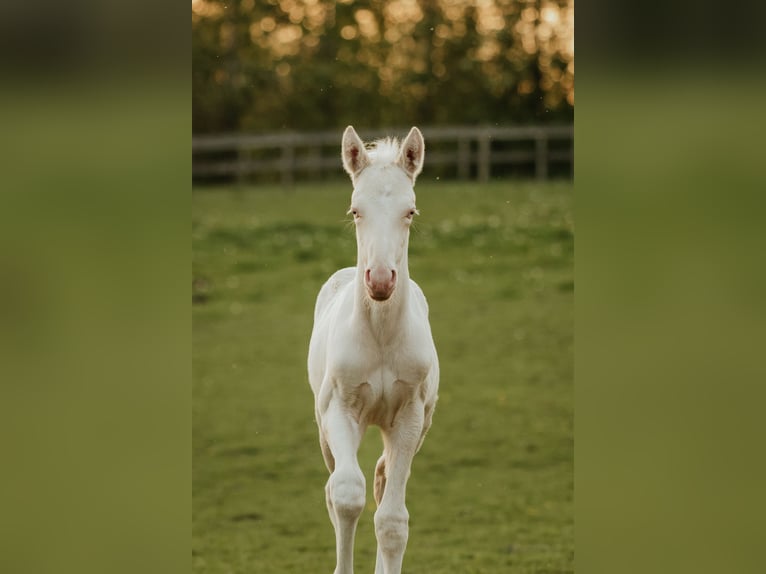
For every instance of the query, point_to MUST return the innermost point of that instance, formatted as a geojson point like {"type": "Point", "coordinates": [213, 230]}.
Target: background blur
{"type": "Point", "coordinates": [95, 404]}
{"type": "Point", "coordinates": [313, 64]}
{"type": "Point", "coordinates": [491, 85]}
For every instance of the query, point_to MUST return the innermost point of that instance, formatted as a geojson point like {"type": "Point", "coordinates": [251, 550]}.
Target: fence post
{"type": "Point", "coordinates": [484, 158]}
{"type": "Point", "coordinates": [288, 156]}
{"type": "Point", "coordinates": [314, 163]}
{"type": "Point", "coordinates": [541, 155]}
{"type": "Point", "coordinates": [463, 158]}
{"type": "Point", "coordinates": [242, 159]}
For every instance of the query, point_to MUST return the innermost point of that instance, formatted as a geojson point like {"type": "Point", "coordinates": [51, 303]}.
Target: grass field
{"type": "Point", "coordinates": [491, 490]}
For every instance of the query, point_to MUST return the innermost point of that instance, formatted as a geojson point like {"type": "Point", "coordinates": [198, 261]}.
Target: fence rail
{"type": "Point", "coordinates": [472, 150]}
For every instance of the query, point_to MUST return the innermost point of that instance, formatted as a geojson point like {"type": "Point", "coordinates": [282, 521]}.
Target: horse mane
{"type": "Point", "coordinates": [384, 151]}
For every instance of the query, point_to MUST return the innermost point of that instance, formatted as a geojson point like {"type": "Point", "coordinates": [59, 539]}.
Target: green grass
{"type": "Point", "coordinates": [491, 490]}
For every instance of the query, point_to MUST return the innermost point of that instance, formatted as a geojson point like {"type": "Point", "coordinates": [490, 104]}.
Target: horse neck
{"type": "Point", "coordinates": [383, 318]}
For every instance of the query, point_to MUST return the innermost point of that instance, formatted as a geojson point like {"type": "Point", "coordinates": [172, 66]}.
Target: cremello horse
{"type": "Point", "coordinates": [372, 359]}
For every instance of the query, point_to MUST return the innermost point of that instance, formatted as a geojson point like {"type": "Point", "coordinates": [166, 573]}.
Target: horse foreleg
{"type": "Point", "coordinates": [345, 490]}
{"type": "Point", "coordinates": [391, 517]}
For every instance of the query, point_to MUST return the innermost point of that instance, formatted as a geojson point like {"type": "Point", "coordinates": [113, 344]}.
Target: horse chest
{"type": "Point", "coordinates": [374, 383]}
{"type": "Point", "coordinates": [404, 360]}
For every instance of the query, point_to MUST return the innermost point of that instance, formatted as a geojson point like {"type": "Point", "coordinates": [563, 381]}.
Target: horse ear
{"type": "Point", "coordinates": [412, 154]}
{"type": "Point", "coordinates": [355, 157]}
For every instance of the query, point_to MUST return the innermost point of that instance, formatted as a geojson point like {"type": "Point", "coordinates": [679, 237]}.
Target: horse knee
{"type": "Point", "coordinates": [346, 491]}
{"type": "Point", "coordinates": [392, 530]}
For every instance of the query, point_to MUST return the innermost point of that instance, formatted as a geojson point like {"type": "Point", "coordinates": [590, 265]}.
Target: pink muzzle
{"type": "Point", "coordinates": [380, 282]}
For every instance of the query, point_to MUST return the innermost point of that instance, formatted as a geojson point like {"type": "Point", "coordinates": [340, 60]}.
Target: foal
{"type": "Point", "coordinates": [372, 359]}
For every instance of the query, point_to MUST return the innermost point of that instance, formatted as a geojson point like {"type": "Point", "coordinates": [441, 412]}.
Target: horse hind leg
{"type": "Point", "coordinates": [380, 479]}
{"type": "Point", "coordinates": [329, 459]}
{"type": "Point", "coordinates": [380, 487]}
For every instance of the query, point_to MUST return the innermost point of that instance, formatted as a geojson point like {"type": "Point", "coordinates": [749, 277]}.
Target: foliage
{"type": "Point", "coordinates": [491, 490]}
{"type": "Point", "coordinates": [310, 64]}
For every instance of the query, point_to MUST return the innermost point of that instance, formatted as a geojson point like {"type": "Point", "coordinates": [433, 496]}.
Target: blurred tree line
{"type": "Point", "coordinates": [315, 64]}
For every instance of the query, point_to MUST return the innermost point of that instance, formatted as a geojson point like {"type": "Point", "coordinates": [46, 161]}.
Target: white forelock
{"type": "Point", "coordinates": [384, 151]}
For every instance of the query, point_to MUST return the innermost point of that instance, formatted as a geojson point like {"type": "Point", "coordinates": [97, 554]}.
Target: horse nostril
{"type": "Point", "coordinates": [393, 276]}
{"type": "Point", "coordinates": [367, 276]}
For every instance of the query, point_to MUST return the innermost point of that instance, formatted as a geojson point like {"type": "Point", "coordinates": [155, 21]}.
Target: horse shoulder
{"type": "Point", "coordinates": [419, 297]}
{"type": "Point", "coordinates": [328, 297]}
{"type": "Point", "coordinates": [331, 287]}
{"type": "Point", "coordinates": [423, 354]}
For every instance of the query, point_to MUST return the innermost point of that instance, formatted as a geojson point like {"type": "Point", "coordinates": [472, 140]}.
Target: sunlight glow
{"type": "Point", "coordinates": [394, 39]}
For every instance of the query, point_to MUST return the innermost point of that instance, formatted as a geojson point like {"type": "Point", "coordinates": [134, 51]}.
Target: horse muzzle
{"type": "Point", "coordinates": [380, 282]}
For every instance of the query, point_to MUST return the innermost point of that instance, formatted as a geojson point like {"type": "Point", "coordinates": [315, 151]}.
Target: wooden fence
{"type": "Point", "coordinates": [470, 152]}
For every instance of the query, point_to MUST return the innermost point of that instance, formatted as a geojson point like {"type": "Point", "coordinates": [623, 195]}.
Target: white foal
{"type": "Point", "coordinates": [371, 358]}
